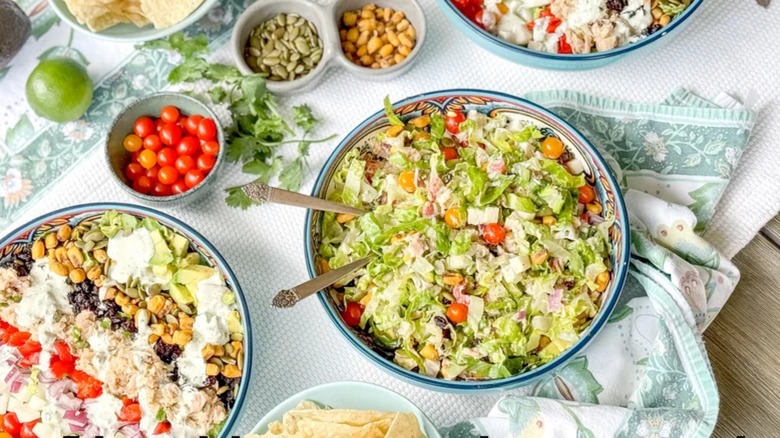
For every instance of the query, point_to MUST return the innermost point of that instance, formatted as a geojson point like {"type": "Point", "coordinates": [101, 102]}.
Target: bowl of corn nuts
{"type": "Point", "coordinates": [292, 43]}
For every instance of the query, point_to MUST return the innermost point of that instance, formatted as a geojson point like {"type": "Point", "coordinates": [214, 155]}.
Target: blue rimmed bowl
{"type": "Point", "coordinates": [554, 61]}
{"type": "Point", "coordinates": [489, 102]}
{"type": "Point", "coordinates": [25, 235]}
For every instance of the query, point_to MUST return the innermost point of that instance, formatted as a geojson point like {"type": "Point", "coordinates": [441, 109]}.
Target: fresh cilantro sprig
{"type": "Point", "coordinates": [259, 128]}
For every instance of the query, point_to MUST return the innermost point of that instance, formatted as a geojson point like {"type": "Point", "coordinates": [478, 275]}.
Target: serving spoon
{"type": "Point", "coordinates": [260, 192]}
{"type": "Point", "coordinates": [287, 298]}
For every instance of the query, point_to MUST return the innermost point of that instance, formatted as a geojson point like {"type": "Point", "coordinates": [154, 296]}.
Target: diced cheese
{"type": "Point", "coordinates": [514, 267]}
{"type": "Point", "coordinates": [25, 413]}
{"type": "Point", "coordinates": [43, 430]}
{"type": "Point", "coordinates": [37, 403]}
{"type": "Point", "coordinates": [481, 216]}
{"type": "Point", "coordinates": [4, 396]}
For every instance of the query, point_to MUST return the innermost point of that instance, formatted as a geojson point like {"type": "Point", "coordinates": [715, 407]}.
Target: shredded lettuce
{"type": "Point", "coordinates": [391, 116]}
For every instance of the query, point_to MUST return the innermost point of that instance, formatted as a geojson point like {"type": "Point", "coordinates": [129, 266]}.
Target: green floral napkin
{"type": "Point", "coordinates": [647, 373]}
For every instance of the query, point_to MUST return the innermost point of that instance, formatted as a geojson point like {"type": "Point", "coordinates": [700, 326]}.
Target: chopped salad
{"type": "Point", "coordinates": [115, 326]}
{"type": "Point", "coordinates": [490, 250]}
{"type": "Point", "coordinates": [572, 26]}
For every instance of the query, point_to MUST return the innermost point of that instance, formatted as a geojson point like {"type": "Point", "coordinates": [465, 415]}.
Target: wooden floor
{"type": "Point", "coordinates": [744, 343]}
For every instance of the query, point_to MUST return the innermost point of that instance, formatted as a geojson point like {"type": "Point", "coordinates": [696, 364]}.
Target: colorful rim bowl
{"type": "Point", "coordinates": [27, 232]}
{"type": "Point", "coordinates": [554, 61]}
{"type": "Point", "coordinates": [597, 173]}
{"type": "Point", "coordinates": [128, 32]}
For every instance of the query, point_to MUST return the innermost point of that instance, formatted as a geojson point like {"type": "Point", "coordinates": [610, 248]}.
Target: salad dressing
{"type": "Point", "coordinates": [47, 295]}
{"type": "Point", "coordinates": [131, 255]}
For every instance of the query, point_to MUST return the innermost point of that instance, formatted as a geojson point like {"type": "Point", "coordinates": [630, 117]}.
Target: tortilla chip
{"type": "Point", "coordinates": [166, 13]}
{"type": "Point", "coordinates": [404, 425]}
{"type": "Point", "coordinates": [109, 19]}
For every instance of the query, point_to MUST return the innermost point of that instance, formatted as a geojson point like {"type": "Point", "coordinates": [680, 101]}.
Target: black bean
{"type": "Point", "coordinates": [440, 321]}
{"type": "Point", "coordinates": [168, 353]}
{"type": "Point", "coordinates": [615, 5]}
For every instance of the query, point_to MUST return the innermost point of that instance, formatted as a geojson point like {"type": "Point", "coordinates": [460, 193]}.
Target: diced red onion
{"type": "Point", "coordinates": [77, 420]}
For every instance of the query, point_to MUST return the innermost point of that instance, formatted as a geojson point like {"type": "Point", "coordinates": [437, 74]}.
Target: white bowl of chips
{"type": "Point", "coordinates": [130, 20]}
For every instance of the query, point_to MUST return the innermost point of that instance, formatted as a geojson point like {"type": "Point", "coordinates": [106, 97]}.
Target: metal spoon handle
{"type": "Point", "coordinates": [264, 193]}
{"type": "Point", "coordinates": [289, 297]}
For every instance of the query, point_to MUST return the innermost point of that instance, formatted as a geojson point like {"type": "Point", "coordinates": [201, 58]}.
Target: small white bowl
{"type": "Point", "coordinates": [326, 19]}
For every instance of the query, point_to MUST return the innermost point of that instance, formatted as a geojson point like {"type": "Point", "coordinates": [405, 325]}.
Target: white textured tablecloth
{"type": "Point", "coordinates": [731, 45]}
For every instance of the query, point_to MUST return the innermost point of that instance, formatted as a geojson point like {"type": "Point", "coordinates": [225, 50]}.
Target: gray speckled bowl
{"type": "Point", "coordinates": [117, 157]}
{"type": "Point", "coordinates": [326, 20]}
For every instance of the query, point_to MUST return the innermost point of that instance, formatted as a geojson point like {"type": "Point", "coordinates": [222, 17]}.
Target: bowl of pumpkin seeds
{"type": "Point", "coordinates": [292, 43]}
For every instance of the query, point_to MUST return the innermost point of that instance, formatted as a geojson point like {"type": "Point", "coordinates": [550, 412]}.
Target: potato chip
{"type": "Point", "coordinates": [166, 13]}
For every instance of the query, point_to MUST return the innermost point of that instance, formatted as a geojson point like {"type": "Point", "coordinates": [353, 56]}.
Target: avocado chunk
{"type": "Point", "coordinates": [162, 254]}
{"type": "Point", "coordinates": [193, 274]}
{"type": "Point", "coordinates": [181, 294]}
{"type": "Point", "coordinates": [234, 322]}
{"type": "Point", "coordinates": [163, 271]}
{"type": "Point", "coordinates": [179, 245]}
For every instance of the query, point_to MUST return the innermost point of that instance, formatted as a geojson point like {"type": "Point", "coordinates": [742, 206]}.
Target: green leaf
{"type": "Point", "coordinates": [391, 116]}
{"type": "Point", "coordinates": [20, 134]}
{"type": "Point", "coordinates": [190, 71]}
{"type": "Point", "coordinates": [620, 314]}
{"type": "Point", "coordinates": [217, 94]}
{"type": "Point", "coordinates": [437, 127]}
{"type": "Point", "coordinates": [291, 176]}
{"type": "Point", "coordinates": [245, 148]}
{"type": "Point", "coordinates": [238, 199]}
{"type": "Point", "coordinates": [264, 171]}
{"type": "Point", "coordinates": [160, 415]}
{"type": "Point", "coordinates": [222, 73]}
{"type": "Point", "coordinates": [196, 45]}
{"type": "Point", "coordinates": [303, 117]}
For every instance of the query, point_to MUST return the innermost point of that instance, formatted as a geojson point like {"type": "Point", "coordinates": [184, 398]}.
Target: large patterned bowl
{"type": "Point", "coordinates": [555, 61]}
{"type": "Point", "coordinates": [28, 233]}
{"type": "Point", "coordinates": [597, 173]}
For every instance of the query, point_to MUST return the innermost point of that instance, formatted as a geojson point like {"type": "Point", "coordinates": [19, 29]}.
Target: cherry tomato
{"type": "Point", "coordinates": [143, 126]}
{"type": "Point", "coordinates": [63, 351]}
{"type": "Point", "coordinates": [143, 185]}
{"type": "Point", "coordinates": [188, 145]}
{"type": "Point", "coordinates": [27, 429]}
{"type": "Point", "coordinates": [167, 157]}
{"type": "Point", "coordinates": [553, 24]}
{"type": "Point", "coordinates": [587, 194]}
{"type": "Point", "coordinates": [4, 434]}
{"type": "Point", "coordinates": [158, 124]}
{"type": "Point", "coordinates": [169, 114]}
{"type": "Point", "coordinates": [193, 177]}
{"type": "Point", "coordinates": [130, 413]}
{"type": "Point", "coordinates": [191, 124]}
{"type": "Point", "coordinates": [18, 338]}
{"type": "Point", "coordinates": [207, 129]}
{"type": "Point", "coordinates": [210, 147]}
{"type": "Point", "coordinates": [153, 143]}
{"type": "Point", "coordinates": [454, 218]}
{"type": "Point", "coordinates": [453, 120]}
{"type": "Point", "coordinates": [184, 163]}
{"type": "Point", "coordinates": [152, 173]}
{"type": "Point", "coordinates": [11, 423]}
{"type": "Point", "coordinates": [352, 314]}
{"type": "Point", "coordinates": [406, 181]}
{"type": "Point", "coordinates": [132, 143]}
{"type": "Point", "coordinates": [457, 312]}
{"type": "Point", "coordinates": [552, 148]}
{"type": "Point", "coordinates": [206, 162]}
{"type": "Point", "coordinates": [168, 175]}
{"type": "Point", "coordinates": [493, 233]}
{"type": "Point", "coordinates": [450, 153]}
{"type": "Point", "coordinates": [133, 171]}
{"type": "Point", "coordinates": [161, 428]}
{"type": "Point", "coordinates": [160, 189]}
{"type": "Point", "coordinates": [170, 134]}
{"type": "Point", "coordinates": [147, 158]}
{"type": "Point", "coordinates": [179, 187]}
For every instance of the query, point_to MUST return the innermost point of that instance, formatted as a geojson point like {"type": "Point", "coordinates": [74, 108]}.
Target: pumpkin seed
{"type": "Point", "coordinates": [185, 308]}
{"type": "Point", "coordinates": [222, 390]}
{"type": "Point", "coordinates": [216, 361]}
{"type": "Point", "coordinates": [237, 337]}
{"type": "Point", "coordinates": [102, 244]}
{"type": "Point", "coordinates": [270, 61]}
{"type": "Point", "coordinates": [281, 47]}
{"type": "Point", "coordinates": [240, 360]}
{"type": "Point", "coordinates": [255, 53]}
{"type": "Point", "coordinates": [228, 350]}
{"type": "Point", "coordinates": [228, 360]}
{"type": "Point", "coordinates": [88, 246]}
{"type": "Point", "coordinates": [170, 319]}
{"type": "Point", "coordinates": [153, 289]}
{"type": "Point", "coordinates": [131, 292]}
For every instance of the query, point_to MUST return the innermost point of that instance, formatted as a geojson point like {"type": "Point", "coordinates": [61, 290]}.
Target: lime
{"type": "Point", "coordinates": [59, 89]}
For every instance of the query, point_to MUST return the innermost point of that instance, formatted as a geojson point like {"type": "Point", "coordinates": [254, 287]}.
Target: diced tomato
{"type": "Point", "coordinates": [4, 325]}
{"type": "Point", "coordinates": [130, 413]}
{"type": "Point", "coordinates": [63, 351]}
{"type": "Point", "coordinates": [30, 360]}
{"type": "Point", "coordinates": [18, 338]}
{"type": "Point", "coordinates": [11, 423]}
{"type": "Point", "coordinates": [86, 385]}
{"type": "Point", "coordinates": [61, 368]}
{"type": "Point", "coordinates": [553, 24]}
{"type": "Point", "coordinates": [27, 429]}
{"type": "Point", "coordinates": [563, 45]}
{"type": "Point", "coordinates": [162, 427]}
{"type": "Point", "coordinates": [531, 25]}
{"type": "Point", "coordinates": [546, 12]}
{"type": "Point", "coordinates": [127, 401]}
{"type": "Point", "coordinates": [29, 347]}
